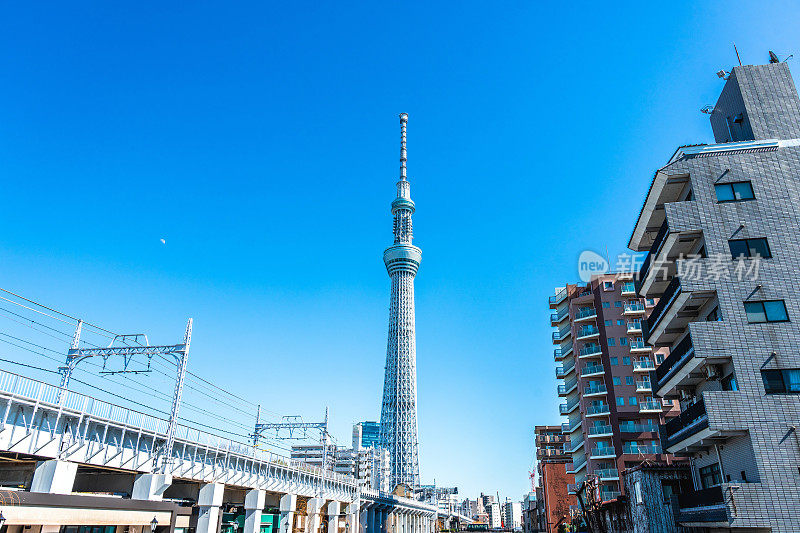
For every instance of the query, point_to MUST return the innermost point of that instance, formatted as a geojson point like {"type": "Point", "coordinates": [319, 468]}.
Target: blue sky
{"type": "Point", "coordinates": [260, 140]}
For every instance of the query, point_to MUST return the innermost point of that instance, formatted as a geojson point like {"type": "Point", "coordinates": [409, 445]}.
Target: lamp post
{"type": "Point", "coordinates": [153, 525]}
{"type": "Point", "coordinates": [2, 519]}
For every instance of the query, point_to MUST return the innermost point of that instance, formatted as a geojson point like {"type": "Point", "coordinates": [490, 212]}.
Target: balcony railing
{"type": "Point", "coordinates": [638, 344]}
{"type": "Point", "coordinates": [586, 331]}
{"type": "Point", "coordinates": [636, 307]}
{"type": "Point", "coordinates": [650, 406]}
{"type": "Point", "coordinates": [644, 365]}
{"type": "Point", "coordinates": [594, 389]}
{"type": "Point", "coordinates": [592, 369]}
{"type": "Point", "coordinates": [643, 385]}
{"type": "Point", "coordinates": [563, 371]}
{"type": "Point", "coordinates": [710, 497]}
{"type": "Point", "coordinates": [585, 312]}
{"type": "Point", "coordinates": [607, 473]}
{"type": "Point", "coordinates": [563, 333]}
{"type": "Point", "coordinates": [568, 386]}
{"type": "Point", "coordinates": [597, 409]}
{"type": "Point", "coordinates": [559, 297]}
{"type": "Point", "coordinates": [631, 427]}
{"type": "Point", "coordinates": [640, 449]}
{"type": "Point", "coordinates": [601, 429]}
{"type": "Point", "coordinates": [634, 326]}
{"type": "Point", "coordinates": [575, 444]}
{"type": "Point", "coordinates": [628, 288]}
{"type": "Point", "coordinates": [677, 357]}
{"type": "Point", "coordinates": [607, 495]}
{"type": "Point", "coordinates": [574, 467]}
{"type": "Point", "coordinates": [691, 420]}
{"type": "Point", "coordinates": [672, 290]}
{"type": "Point", "coordinates": [655, 248]}
{"type": "Point", "coordinates": [558, 317]}
{"type": "Point", "coordinates": [591, 349]}
{"type": "Point", "coordinates": [603, 451]}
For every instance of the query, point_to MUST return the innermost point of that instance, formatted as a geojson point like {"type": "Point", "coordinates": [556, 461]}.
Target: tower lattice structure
{"type": "Point", "coordinates": [398, 432]}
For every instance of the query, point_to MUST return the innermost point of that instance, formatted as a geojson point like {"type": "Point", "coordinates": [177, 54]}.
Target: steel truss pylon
{"type": "Point", "coordinates": [398, 432]}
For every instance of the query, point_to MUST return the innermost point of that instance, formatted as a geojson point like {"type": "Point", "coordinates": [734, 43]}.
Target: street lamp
{"type": "Point", "coordinates": [2, 519]}
{"type": "Point", "coordinates": [153, 525]}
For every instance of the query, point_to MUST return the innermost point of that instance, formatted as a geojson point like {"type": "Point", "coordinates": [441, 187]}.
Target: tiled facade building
{"type": "Point", "coordinates": [721, 225]}
{"type": "Point", "coordinates": [553, 477]}
{"type": "Point", "coordinates": [605, 369]}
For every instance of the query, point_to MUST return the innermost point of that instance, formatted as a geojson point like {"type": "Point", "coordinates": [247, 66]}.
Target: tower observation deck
{"type": "Point", "coordinates": [398, 432]}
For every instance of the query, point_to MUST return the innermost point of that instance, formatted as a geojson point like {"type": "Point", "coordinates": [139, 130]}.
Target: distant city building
{"type": "Point", "coordinates": [312, 454]}
{"type": "Point", "coordinates": [370, 434]}
{"type": "Point", "coordinates": [552, 458]}
{"type": "Point", "coordinates": [530, 523]}
{"type": "Point", "coordinates": [512, 515]}
{"type": "Point", "coordinates": [495, 514]}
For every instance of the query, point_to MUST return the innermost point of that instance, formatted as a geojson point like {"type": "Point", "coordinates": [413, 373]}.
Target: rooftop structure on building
{"type": "Point", "coordinates": [719, 225]}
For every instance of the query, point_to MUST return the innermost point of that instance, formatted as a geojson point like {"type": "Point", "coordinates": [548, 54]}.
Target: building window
{"type": "Point", "coordinates": [714, 315]}
{"type": "Point", "coordinates": [766, 311]}
{"type": "Point", "coordinates": [618, 303]}
{"type": "Point", "coordinates": [623, 341]}
{"type": "Point", "coordinates": [608, 285]}
{"type": "Point", "coordinates": [626, 360]}
{"type": "Point", "coordinates": [628, 380]}
{"type": "Point", "coordinates": [729, 382]}
{"type": "Point", "coordinates": [734, 192]}
{"type": "Point", "coordinates": [620, 322]}
{"type": "Point", "coordinates": [606, 305]}
{"type": "Point", "coordinates": [659, 358]}
{"type": "Point", "coordinates": [614, 361]}
{"type": "Point", "coordinates": [620, 400]}
{"type": "Point", "coordinates": [608, 323]}
{"type": "Point", "coordinates": [749, 248]}
{"type": "Point", "coordinates": [784, 381]}
{"type": "Point", "coordinates": [650, 301]}
{"type": "Point", "coordinates": [632, 400]}
{"type": "Point", "coordinates": [616, 381]}
{"type": "Point", "coordinates": [709, 476]}
{"type": "Point", "coordinates": [611, 341]}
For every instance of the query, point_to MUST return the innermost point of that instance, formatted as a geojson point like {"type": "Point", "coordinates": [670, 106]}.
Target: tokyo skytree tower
{"type": "Point", "coordinates": [399, 408]}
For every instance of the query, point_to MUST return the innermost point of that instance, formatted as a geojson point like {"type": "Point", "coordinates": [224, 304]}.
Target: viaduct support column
{"type": "Point", "coordinates": [353, 519]}
{"type": "Point", "coordinates": [333, 516]}
{"type": "Point", "coordinates": [150, 486]}
{"type": "Point", "coordinates": [288, 507]}
{"type": "Point", "coordinates": [209, 500]}
{"type": "Point", "coordinates": [314, 514]}
{"type": "Point", "coordinates": [54, 477]}
{"type": "Point", "coordinates": [253, 505]}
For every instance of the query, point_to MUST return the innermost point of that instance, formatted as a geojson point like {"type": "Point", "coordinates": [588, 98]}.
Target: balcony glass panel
{"type": "Point", "coordinates": [588, 330]}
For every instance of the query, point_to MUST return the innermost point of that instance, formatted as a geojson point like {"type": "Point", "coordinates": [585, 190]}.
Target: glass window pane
{"type": "Point", "coordinates": [758, 247]}
{"type": "Point", "coordinates": [773, 381]}
{"type": "Point", "coordinates": [738, 248]}
{"type": "Point", "coordinates": [776, 311]}
{"type": "Point", "coordinates": [742, 191]}
{"type": "Point", "coordinates": [755, 312]}
{"type": "Point", "coordinates": [632, 400]}
{"type": "Point", "coordinates": [792, 380]}
{"type": "Point", "coordinates": [724, 192]}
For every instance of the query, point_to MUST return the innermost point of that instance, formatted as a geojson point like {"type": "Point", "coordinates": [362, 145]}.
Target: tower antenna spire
{"type": "Point", "coordinates": [403, 159]}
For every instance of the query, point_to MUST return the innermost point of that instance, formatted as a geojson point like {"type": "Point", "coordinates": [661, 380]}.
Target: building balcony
{"type": "Point", "coordinates": [603, 452]}
{"type": "Point", "coordinates": [575, 445]}
{"type": "Point", "coordinates": [596, 390]}
{"type": "Point", "coordinates": [597, 410]}
{"type": "Point", "coordinates": [600, 430]}
{"type": "Point", "coordinates": [572, 425]}
{"type": "Point", "coordinates": [633, 309]}
{"type": "Point", "coordinates": [659, 266]}
{"type": "Point", "coordinates": [572, 488]}
{"type": "Point", "coordinates": [676, 307]}
{"type": "Point", "coordinates": [585, 313]}
{"type": "Point", "coordinates": [590, 350]}
{"type": "Point", "coordinates": [544, 453]}
{"type": "Point", "coordinates": [643, 386]}
{"type": "Point", "coordinates": [559, 297]}
{"type": "Point", "coordinates": [562, 334]}
{"type": "Point", "coordinates": [568, 387]}
{"type": "Point", "coordinates": [567, 408]}
{"type": "Point", "coordinates": [608, 495]}
{"type": "Point", "coordinates": [563, 351]}
{"type": "Point", "coordinates": [587, 332]}
{"type": "Point", "coordinates": [682, 368]}
{"type": "Point", "coordinates": [564, 370]}
{"type": "Point", "coordinates": [724, 506]}
{"type": "Point", "coordinates": [550, 439]}
{"type": "Point", "coordinates": [637, 345]}
{"type": "Point", "coordinates": [628, 289]}
{"type": "Point", "coordinates": [634, 326]}
{"type": "Point", "coordinates": [644, 365]}
{"type": "Point", "coordinates": [692, 431]}
{"type": "Point", "coordinates": [592, 370]}
{"type": "Point", "coordinates": [557, 318]}
{"type": "Point", "coordinates": [607, 474]}
{"type": "Point", "coordinates": [633, 448]}
{"type": "Point", "coordinates": [574, 468]}
{"type": "Point", "coordinates": [650, 407]}
{"type": "Point", "coordinates": [632, 427]}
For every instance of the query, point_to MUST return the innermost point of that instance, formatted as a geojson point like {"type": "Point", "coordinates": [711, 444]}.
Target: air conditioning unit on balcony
{"type": "Point", "coordinates": [712, 372]}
